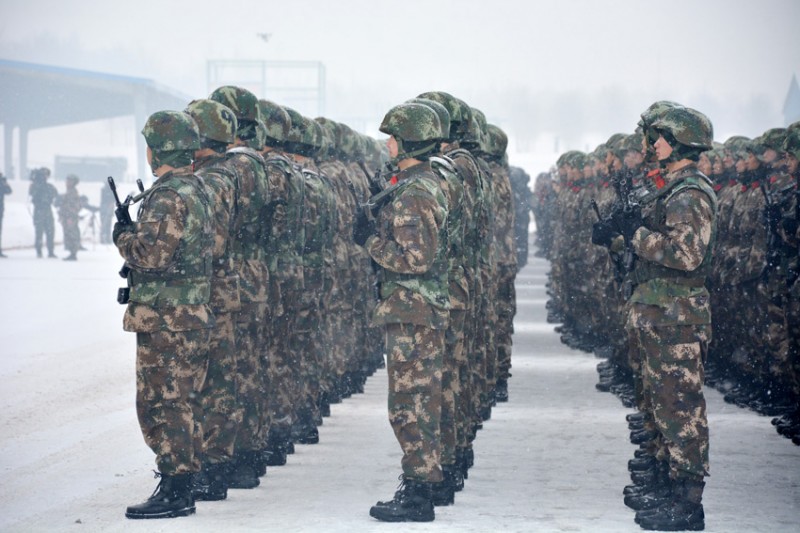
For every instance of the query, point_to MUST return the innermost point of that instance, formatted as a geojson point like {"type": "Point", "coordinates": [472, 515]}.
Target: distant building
{"type": "Point", "coordinates": [791, 107]}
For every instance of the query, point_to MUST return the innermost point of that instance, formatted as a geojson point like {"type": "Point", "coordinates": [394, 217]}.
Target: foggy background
{"type": "Point", "coordinates": [555, 74]}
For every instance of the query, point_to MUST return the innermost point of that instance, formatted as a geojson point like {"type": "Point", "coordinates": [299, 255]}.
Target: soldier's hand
{"type": "Point", "coordinates": [363, 227]}
{"type": "Point", "coordinates": [122, 214]}
{"type": "Point", "coordinates": [630, 221]}
{"type": "Point", "coordinates": [603, 232]}
{"type": "Point", "coordinates": [120, 228]}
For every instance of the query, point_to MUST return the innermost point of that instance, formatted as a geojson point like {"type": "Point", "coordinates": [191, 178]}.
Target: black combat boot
{"type": "Point", "coordinates": [211, 483]}
{"type": "Point", "coordinates": [244, 470]}
{"type": "Point", "coordinates": [654, 494]}
{"type": "Point", "coordinates": [172, 497]}
{"type": "Point", "coordinates": [643, 435]}
{"type": "Point", "coordinates": [682, 512]}
{"type": "Point", "coordinates": [501, 390]}
{"type": "Point", "coordinates": [444, 492]}
{"type": "Point", "coordinates": [642, 463]}
{"type": "Point", "coordinates": [412, 503]}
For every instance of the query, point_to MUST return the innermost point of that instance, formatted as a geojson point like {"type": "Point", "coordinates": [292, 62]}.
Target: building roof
{"type": "Point", "coordinates": [40, 96]}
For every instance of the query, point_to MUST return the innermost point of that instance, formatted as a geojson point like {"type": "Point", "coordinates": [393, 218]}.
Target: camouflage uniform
{"type": "Point", "coordinates": [69, 208]}
{"type": "Point", "coordinates": [250, 262]}
{"type": "Point", "coordinates": [169, 252]}
{"type": "Point", "coordinates": [413, 307]}
{"type": "Point", "coordinates": [222, 411]}
{"type": "Point", "coordinates": [669, 314]}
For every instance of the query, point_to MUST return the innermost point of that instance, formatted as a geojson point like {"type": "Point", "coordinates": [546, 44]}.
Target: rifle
{"type": "Point", "coordinates": [771, 219]}
{"type": "Point", "coordinates": [124, 217]}
{"type": "Point", "coordinates": [623, 188]}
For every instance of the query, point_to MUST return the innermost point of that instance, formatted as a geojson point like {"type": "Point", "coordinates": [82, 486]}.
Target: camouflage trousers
{"type": "Point", "coordinates": [251, 379]}
{"type": "Point", "coordinates": [506, 309]}
{"type": "Point", "coordinates": [415, 397]}
{"type": "Point", "coordinates": [170, 371]}
{"type": "Point", "coordinates": [72, 235]}
{"type": "Point", "coordinates": [222, 414]}
{"type": "Point", "coordinates": [309, 345]}
{"type": "Point", "coordinates": [282, 374]}
{"type": "Point", "coordinates": [672, 374]}
{"type": "Point", "coordinates": [454, 363]}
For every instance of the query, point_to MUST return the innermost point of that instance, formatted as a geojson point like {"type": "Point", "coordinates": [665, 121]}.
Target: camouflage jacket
{"type": "Point", "coordinates": [252, 199]}
{"type": "Point", "coordinates": [69, 206]}
{"type": "Point", "coordinates": [319, 222]}
{"type": "Point", "coordinates": [410, 248]}
{"type": "Point", "coordinates": [170, 255]}
{"type": "Point", "coordinates": [220, 184]}
{"type": "Point", "coordinates": [674, 252]}
{"type": "Point", "coordinates": [453, 187]}
{"type": "Point", "coordinates": [503, 215]}
{"type": "Point", "coordinates": [285, 222]}
{"type": "Point", "coordinates": [473, 212]}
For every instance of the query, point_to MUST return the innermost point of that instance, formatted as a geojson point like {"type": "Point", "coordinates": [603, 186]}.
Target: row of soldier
{"type": "Point", "coordinates": [253, 305]}
{"type": "Point", "coordinates": [753, 357]}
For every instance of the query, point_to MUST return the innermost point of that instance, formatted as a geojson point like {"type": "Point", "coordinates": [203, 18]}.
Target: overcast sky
{"type": "Point", "coordinates": [500, 56]}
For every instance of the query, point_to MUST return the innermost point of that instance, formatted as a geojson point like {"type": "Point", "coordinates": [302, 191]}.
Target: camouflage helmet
{"type": "Point", "coordinates": [630, 143]}
{"type": "Point", "coordinates": [242, 102]}
{"type": "Point", "coordinates": [330, 132]}
{"type": "Point", "coordinates": [244, 105]}
{"type": "Point", "coordinates": [415, 128]}
{"type": "Point", "coordinates": [480, 120]}
{"type": "Point", "coordinates": [653, 112]}
{"type": "Point", "coordinates": [772, 139]}
{"type": "Point", "coordinates": [412, 122]}
{"type": "Point", "coordinates": [687, 126]}
{"type": "Point", "coordinates": [305, 135]}
{"type": "Point", "coordinates": [215, 121]}
{"type": "Point", "coordinates": [441, 111]}
{"type": "Point", "coordinates": [497, 140]}
{"type": "Point", "coordinates": [171, 131]}
{"type": "Point", "coordinates": [276, 122]}
{"type": "Point", "coordinates": [72, 178]}
{"type": "Point", "coordinates": [612, 141]}
{"type": "Point", "coordinates": [455, 110]}
{"type": "Point", "coordinates": [791, 142]}
{"type": "Point", "coordinates": [346, 138]}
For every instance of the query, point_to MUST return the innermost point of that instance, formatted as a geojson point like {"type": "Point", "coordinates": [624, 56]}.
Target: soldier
{"type": "Point", "coordinates": [454, 357]}
{"type": "Point", "coordinates": [250, 261]}
{"type": "Point", "coordinates": [69, 208]}
{"type": "Point", "coordinates": [5, 189]}
{"type": "Point", "coordinates": [222, 413]}
{"type": "Point", "coordinates": [43, 195]}
{"type": "Point", "coordinates": [669, 316]}
{"type": "Point", "coordinates": [409, 249]}
{"type": "Point", "coordinates": [169, 252]}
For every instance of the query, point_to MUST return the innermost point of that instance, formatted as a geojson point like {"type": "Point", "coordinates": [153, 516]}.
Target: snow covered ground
{"type": "Point", "coordinates": [552, 459]}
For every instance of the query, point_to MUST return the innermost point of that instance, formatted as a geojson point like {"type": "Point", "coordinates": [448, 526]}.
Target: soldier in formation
{"type": "Point", "coordinates": [277, 258]}
{"type": "Point", "coordinates": [688, 236]}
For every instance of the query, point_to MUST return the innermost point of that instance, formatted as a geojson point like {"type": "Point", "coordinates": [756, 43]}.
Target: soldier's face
{"type": "Point", "coordinates": [391, 144]}
{"type": "Point", "coordinates": [633, 158]}
{"type": "Point", "coordinates": [704, 165]}
{"type": "Point", "coordinates": [663, 149]}
{"type": "Point", "coordinates": [769, 156]}
{"type": "Point", "coordinates": [789, 163]}
{"type": "Point", "coordinates": [752, 162]}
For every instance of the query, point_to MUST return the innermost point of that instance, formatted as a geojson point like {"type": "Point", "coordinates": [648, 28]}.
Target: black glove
{"type": "Point", "coordinates": [789, 225]}
{"type": "Point", "coordinates": [603, 232]}
{"type": "Point", "coordinates": [120, 228]}
{"type": "Point", "coordinates": [363, 227]}
{"type": "Point", "coordinates": [629, 221]}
